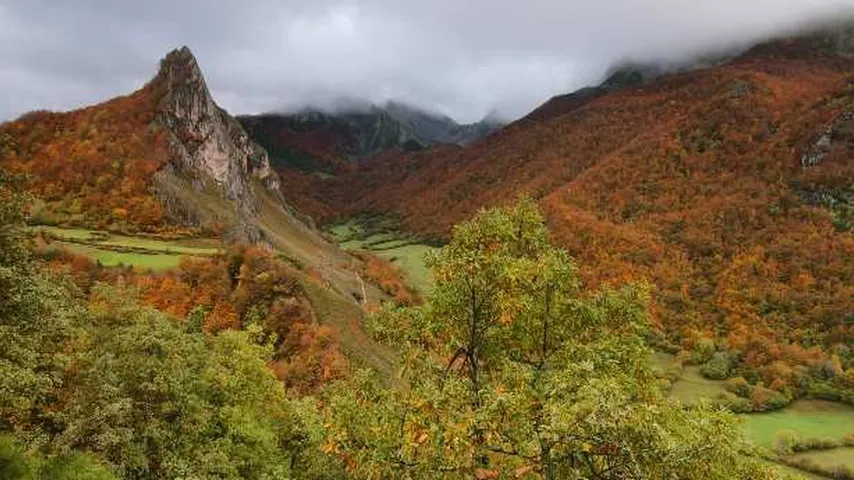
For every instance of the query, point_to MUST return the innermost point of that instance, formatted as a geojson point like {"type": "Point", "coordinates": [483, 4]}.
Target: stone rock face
{"type": "Point", "coordinates": [210, 150]}
{"type": "Point", "coordinates": [840, 129]}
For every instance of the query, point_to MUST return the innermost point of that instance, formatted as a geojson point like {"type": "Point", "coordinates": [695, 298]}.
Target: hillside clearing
{"type": "Point", "coordinates": [389, 244]}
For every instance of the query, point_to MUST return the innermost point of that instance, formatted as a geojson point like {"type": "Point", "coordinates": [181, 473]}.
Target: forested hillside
{"type": "Point", "coordinates": [728, 187]}
{"type": "Point", "coordinates": [313, 140]}
{"type": "Point", "coordinates": [97, 385]}
{"type": "Point", "coordinates": [92, 166]}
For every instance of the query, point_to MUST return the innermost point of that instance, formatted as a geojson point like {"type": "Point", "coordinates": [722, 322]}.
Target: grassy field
{"type": "Point", "coordinates": [404, 253]}
{"type": "Point", "coordinates": [106, 240]}
{"type": "Point", "coordinates": [807, 418]}
{"type": "Point", "coordinates": [112, 250]}
{"type": "Point", "coordinates": [692, 386]}
{"type": "Point", "coordinates": [830, 459]}
{"type": "Point", "coordinates": [112, 258]}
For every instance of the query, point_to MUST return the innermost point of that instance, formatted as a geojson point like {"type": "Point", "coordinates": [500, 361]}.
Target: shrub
{"type": "Point", "coordinates": [739, 386]}
{"type": "Point", "coordinates": [817, 443]}
{"type": "Point", "coordinates": [764, 399]}
{"type": "Point", "coordinates": [785, 442]}
{"type": "Point", "coordinates": [718, 367]}
{"type": "Point", "coordinates": [735, 403]}
{"type": "Point", "coordinates": [702, 351]}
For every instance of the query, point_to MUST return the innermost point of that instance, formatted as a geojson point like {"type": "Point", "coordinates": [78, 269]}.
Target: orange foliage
{"type": "Point", "coordinates": [91, 167]}
{"type": "Point", "coordinates": [247, 285]}
{"type": "Point", "coordinates": [389, 278]}
{"type": "Point", "coordinates": [310, 357]}
{"type": "Point", "coordinates": [694, 182]}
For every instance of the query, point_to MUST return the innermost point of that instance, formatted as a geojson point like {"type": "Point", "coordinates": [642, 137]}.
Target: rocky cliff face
{"type": "Point", "coordinates": [211, 153]}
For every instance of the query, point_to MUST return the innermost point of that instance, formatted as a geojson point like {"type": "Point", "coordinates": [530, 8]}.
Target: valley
{"type": "Point", "coordinates": [648, 278]}
{"type": "Point", "coordinates": [387, 242]}
{"type": "Point", "coordinates": [805, 419]}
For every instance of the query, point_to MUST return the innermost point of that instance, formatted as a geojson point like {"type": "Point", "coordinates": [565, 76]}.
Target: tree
{"type": "Point", "coordinates": [158, 401]}
{"type": "Point", "coordinates": [511, 370]}
{"type": "Point", "coordinates": [36, 315]}
{"type": "Point", "coordinates": [16, 463]}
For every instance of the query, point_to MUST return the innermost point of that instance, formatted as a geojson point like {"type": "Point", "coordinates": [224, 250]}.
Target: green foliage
{"type": "Point", "coordinates": [35, 317]}
{"type": "Point", "coordinates": [718, 367]}
{"type": "Point", "coordinates": [703, 351]}
{"type": "Point", "coordinates": [17, 463]}
{"type": "Point", "coordinates": [13, 248]}
{"type": "Point", "coordinates": [734, 403]}
{"type": "Point", "coordinates": [739, 386]}
{"type": "Point", "coordinates": [158, 401]}
{"type": "Point", "coordinates": [510, 371]}
{"type": "Point", "coordinates": [118, 389]}
{"type": "Point", "coordinates": [784, 442]}
{"type": "Point", "coordinates": [14, 462]}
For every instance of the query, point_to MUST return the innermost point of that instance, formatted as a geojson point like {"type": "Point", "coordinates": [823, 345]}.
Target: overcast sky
{"type": "Point", "coordinates": [460, 57]}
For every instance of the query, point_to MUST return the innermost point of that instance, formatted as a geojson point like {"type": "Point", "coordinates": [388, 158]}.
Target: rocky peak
{"type": "Point", "coordinates": [210, 150]}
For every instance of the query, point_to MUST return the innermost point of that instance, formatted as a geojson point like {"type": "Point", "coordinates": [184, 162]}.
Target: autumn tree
{"type": "Point", "coordinates": [510, 371]}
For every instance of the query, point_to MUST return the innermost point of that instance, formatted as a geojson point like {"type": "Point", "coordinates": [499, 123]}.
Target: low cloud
{"type": "Point", "coordinates": [464, 59]}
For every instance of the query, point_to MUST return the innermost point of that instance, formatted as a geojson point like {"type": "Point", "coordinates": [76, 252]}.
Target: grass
{"type": "Point", "coordinates": [410, 260]}
{"type": "Point", "coordinates": [389, 244]}
{"type": "Point", "coordinates": [335, 305]}
{"type": "Point", "coordinates": [67, 233]}
{"type": "Point", "coordinates": [145, 253]}
{"type": "Point", "coordinates": [830, 459]}
{"type": "Point", "coordinates": [112, 258]}
{"type": "Point", "coordinates": [807, 418]}
{"type": "Point", "coordinates": [157, 245]}
{"type": "Point", "coordinates": [109, 240]}
{"type": "Point", "coordinates": [692, 386]}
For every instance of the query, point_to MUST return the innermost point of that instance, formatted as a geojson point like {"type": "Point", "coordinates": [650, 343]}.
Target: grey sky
{"type": "Point", "coordinates": [460, 57]}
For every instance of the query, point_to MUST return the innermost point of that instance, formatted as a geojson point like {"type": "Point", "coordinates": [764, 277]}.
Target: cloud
{"type": "Point", "coordinates": [463, 58]}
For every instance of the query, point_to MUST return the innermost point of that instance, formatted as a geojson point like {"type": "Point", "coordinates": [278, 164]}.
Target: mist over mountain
{"type": "Point", "coordinates": [328, 137]}
{"type": "Point", "coordinates": [463, 60]}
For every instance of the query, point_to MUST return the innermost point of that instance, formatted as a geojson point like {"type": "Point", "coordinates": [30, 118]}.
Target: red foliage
{"type": "Point", "coordinates": [91, 167]}
{"type": "Point", "coordinates": [310, 357]}
{"type": "Point", "coordinates": [389, 278]}
{"type": "Point", "coordinates": [694, 182]}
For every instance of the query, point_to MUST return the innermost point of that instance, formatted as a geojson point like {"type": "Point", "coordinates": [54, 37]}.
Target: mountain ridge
{"type": "Point", "coordinates": [728, 188]}
{"type": "Point", "coordinates": [331, 139]}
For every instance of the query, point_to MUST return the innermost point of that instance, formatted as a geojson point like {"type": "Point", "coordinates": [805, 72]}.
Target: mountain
{"type": "Point", "coordinates": [318, 140]}
{"type": "Point", "coordinates": [161, 158]}
{"type": "Point", "coordinates": [168, 160]}
{"type": "Point", "coordinates": [729, 188]}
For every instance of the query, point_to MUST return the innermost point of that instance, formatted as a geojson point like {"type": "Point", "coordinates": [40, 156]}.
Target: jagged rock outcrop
{"type": "Point", "coordinates": [211, 153]}
{"type": "Point", "coordinates": [840, 129]}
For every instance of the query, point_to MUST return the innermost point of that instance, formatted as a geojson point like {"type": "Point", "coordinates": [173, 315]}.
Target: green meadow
{"type": "Point", "coordinates": [806, 418]}
{"type": "Point", "coordinates": [113, 250]}
{"type": "Point", "coordinates": [385, 241]}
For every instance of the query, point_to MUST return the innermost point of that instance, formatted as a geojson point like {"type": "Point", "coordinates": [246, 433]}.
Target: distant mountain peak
{"type": "Point", "coordinates": [323, 138]}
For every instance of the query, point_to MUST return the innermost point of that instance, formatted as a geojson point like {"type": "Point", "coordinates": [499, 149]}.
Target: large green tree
{"type": "Point", "coordinates": [511, 370]}
{"type": "Point", "coordinates": [157, 400]}
{"type": "Point", "coordinates": [36, 316]}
